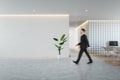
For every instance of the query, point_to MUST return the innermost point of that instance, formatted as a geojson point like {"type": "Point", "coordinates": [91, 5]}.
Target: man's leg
{"type": "Point", "coordinates": [90, 59]}
{"type": "Point", "coordinates": [79, 56]}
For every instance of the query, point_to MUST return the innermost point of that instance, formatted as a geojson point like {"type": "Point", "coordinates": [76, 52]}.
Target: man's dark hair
{"type": "Point", "coordinates": [83, 29]}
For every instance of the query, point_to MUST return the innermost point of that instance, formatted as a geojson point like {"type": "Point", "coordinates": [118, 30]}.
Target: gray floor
{"type": "Point", "coordinates": [62, 69]}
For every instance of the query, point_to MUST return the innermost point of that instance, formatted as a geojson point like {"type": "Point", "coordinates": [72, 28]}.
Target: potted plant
{"type": "Point", "coordinates": [59, 43]}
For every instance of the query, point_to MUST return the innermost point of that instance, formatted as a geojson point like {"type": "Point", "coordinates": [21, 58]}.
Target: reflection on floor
{"type": "Point", "coordinates": [54, 69]}
{"type": "Point", "coordinates": [115, 61]}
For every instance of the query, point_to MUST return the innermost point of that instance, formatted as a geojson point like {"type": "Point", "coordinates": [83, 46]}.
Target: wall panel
{"type": "Point", "coordinates": [31, 36]}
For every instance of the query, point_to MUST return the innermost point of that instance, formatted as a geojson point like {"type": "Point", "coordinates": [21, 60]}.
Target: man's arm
{"type": "Point", "coordinates": [87, 42]}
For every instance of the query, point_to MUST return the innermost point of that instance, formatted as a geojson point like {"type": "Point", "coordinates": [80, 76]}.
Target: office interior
{"type": "Point", "coordinates": [38, 39]}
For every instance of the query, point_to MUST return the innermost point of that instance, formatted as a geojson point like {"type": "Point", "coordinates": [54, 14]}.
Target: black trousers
{"type": "Point", "coordinates": [80, 54]}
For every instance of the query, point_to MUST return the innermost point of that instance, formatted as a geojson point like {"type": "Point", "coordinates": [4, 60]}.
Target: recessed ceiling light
{"type": "Point", "coordinates": [86, 10]}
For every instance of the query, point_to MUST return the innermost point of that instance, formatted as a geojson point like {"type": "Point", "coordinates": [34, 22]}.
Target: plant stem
{"type": "Point", "coordinates": [59, 51]}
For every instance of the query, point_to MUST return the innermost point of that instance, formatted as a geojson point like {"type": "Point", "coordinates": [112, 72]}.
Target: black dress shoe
{"type": "Point", "coordinates": [90, 62]}
{"type": "Point", "coordinates": [75, 62]}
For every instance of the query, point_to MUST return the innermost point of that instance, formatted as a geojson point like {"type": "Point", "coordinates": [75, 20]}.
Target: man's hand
{"type": "Point", "coordinates": [76, 44]}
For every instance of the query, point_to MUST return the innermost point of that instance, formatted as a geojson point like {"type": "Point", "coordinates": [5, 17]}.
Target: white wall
{"type": "Point", "coordinates": [72, 37]}
{"type": "Point", "coordinates": [31, 36]}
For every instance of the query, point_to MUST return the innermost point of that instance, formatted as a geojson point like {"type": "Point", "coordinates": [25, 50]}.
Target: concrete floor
{"type": "Point", "coordinates": [62, 69]}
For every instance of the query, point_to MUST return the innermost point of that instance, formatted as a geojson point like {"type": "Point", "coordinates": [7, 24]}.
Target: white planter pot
{"type": "Point", "coordinates": [59, 56]}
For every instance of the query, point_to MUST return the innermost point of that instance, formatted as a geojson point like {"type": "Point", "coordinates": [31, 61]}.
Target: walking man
{"type": "Point", "coordinates": [84, 46]}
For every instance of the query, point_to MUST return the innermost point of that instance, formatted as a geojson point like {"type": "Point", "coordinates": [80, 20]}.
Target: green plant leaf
{"type": "Point", "coordinates": [65, 41]}
{"type": "Point", "coordinates": [62, 37]}
{"type": "Point", "coordinates": [65, 38]}
{"type": "Point", "coordinates": [55, 39]}
{"type": "Point", "coordinates": [59, 47]}
{"type": "Point", "coordinates": [61, 43]}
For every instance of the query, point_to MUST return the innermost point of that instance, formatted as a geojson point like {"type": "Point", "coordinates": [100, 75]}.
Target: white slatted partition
{"type": "Point", "coordinates": [102, 31]}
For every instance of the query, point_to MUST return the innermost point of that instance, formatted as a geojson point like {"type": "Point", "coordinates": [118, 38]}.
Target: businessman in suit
{"type": "Point", "coordinates": [84, 46]}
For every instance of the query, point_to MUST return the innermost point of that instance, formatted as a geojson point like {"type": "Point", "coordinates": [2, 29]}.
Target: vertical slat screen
{"type": "Point", "coordinates": [102, 31]}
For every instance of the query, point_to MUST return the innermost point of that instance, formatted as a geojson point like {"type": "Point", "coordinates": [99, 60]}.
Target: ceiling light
{"type": "Point", "coordinates": [86, 10]}
{"type": "Point", "coordinates": [34, 15]}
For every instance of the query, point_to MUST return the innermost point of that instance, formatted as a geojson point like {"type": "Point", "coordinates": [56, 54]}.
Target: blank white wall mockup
{"type": "Point", "coordinates": [31, 36]}
{"type": "Point", "coordinates": [72, 38]}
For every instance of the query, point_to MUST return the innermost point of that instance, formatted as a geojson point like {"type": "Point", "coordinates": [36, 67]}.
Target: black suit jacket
{"type": "Point", "coordinates": [84, 42]}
